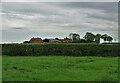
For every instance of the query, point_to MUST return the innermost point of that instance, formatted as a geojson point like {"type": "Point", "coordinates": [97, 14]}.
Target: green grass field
{"type": "Point", "coordinates": [59, 68]}
{"type": "Point", "coordinates": [0, 68]}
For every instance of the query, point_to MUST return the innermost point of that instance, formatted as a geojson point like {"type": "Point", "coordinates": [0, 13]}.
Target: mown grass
{"type": "Point", "coordinates": [59, 68]}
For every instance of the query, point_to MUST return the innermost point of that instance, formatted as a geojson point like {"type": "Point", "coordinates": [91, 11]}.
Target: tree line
{"type": "Point", "coordinates": [90, 37]}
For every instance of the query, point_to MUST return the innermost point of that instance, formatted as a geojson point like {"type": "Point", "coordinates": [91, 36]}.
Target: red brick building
{"type": "Point", "coordinates": [56, 40]}
{"type": "Point", "coordinates": [36, 40]}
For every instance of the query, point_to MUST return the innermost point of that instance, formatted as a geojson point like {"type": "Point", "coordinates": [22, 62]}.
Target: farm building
{"type": "Point", "coordinates": [56, 40]}
{"type": "Point", "coordinates": [36, 40]}
{"type": "Point", "coordinates": [65, 40]}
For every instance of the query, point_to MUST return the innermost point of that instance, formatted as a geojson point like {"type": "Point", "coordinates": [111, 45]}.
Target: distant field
{"type": "Point", "coordinates": [59, 68]}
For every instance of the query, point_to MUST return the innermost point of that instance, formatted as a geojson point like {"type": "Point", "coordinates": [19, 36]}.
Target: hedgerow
{"type": "Point", "coordinates": [64, 49]}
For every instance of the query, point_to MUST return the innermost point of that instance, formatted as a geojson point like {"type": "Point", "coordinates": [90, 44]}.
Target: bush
{"type": "Point", "coordinates": [60, 49]}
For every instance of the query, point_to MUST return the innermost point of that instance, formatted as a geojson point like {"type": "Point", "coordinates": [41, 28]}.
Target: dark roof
{"type": "Point", "coordinates": [35, 39]}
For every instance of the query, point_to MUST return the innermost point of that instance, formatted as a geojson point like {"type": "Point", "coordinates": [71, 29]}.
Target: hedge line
{"type": "Point", "coordinates": [60, 49]}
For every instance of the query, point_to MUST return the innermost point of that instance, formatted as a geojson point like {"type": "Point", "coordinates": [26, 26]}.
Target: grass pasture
{"type": "Point", "coordinates": [59, 68]}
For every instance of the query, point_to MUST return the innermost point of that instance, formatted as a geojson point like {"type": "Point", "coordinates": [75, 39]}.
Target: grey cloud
{"type": "Point", "coordinates": [60, 1]}
{"type": "Point", "coordinates": [29, 8]}
{"type": "Point", "coordinates": [109, 17]}
{"type": "Point", "coordinates": [19, 28]}
{"type": "Point", "coordinates": [107, 6]}
{"type": "Point", "coordinates": [37, 8]}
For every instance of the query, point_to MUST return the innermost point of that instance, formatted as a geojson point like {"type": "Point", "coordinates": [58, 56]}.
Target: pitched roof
{"type": "Point", "coordinates": [35, 39]}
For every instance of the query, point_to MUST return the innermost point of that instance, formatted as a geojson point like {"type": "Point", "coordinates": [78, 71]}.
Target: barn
{"type": "Point", "coordinates": [36, 40]}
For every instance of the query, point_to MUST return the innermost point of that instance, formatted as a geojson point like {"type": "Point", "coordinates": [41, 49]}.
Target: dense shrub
{"type": "Point", "coordinates": [60, 49]}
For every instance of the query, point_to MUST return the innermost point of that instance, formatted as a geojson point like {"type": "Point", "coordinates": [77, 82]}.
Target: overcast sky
{"type": "Point", "coordinates": [59, 0]}
{"type": "Point", "coordinates": [23, 20]}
